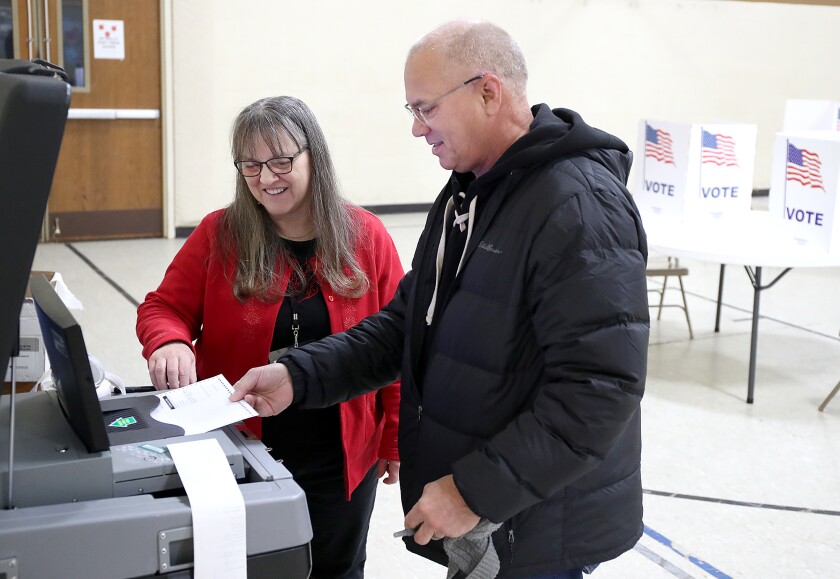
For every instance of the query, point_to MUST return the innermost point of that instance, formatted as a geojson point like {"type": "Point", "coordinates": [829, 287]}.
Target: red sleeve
{"type": "Point", "coordinates": [174, 311]}
{"type": "Point", "coordinates": [389, 272]}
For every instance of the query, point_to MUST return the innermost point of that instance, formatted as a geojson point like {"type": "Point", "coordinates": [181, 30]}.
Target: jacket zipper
{"type": "Point", "coordinates": [419, 413]}
{"type": "Point", "coordinates": [511, 540]}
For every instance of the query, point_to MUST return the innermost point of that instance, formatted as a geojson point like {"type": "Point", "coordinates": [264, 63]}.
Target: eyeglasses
{"type": "Point", "coordinates": [278, 165]}
{"type": "Point", "coordinates": [420, 113]}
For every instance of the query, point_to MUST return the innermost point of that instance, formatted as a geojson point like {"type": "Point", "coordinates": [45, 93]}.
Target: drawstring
{"type": "Point", "coordinates": [470, 219]}
{"type": "Point", "coordinates": [450, 204]}
{"type": "Point", "coordinates": [464, 221]}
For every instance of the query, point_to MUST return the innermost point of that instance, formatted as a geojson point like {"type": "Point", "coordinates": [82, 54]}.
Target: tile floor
{"type": "Point", "coordinates": [732, 490]}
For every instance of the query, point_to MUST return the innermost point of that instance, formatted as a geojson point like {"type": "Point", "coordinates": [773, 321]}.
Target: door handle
{"type": "Point", "coordinates": [47, 30]}
{"type": "Point", "coordinates": [111, 114]}
{"type": "Point", "coordinates": [29, 39]}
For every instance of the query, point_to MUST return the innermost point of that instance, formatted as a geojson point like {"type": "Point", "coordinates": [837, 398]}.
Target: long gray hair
{"type": "Point", "coordinates": [247, 231]}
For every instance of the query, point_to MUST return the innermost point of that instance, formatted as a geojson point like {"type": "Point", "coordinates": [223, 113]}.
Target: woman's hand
{"type": "Point", "coordinates": [172, 366]}
{"type": "Point", "coordinates": [389, 467]}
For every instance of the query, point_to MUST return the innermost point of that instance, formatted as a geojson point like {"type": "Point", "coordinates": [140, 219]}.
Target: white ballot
{"type": "Point", "coordinates": [218, 509]}
{"type": "Point", "coordinates": [202, 406]}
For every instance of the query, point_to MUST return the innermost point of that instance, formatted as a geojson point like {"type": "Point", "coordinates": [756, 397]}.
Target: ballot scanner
{"type": "Point", "coordinates": [122, 512]}
{"type": "Point", "coordinates": [93, 490]}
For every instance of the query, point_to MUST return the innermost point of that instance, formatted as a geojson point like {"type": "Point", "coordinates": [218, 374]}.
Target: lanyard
{"type": "Point", "coordinates": [295, 320]}
{"type": "Point", "coordinates": [293, 300]}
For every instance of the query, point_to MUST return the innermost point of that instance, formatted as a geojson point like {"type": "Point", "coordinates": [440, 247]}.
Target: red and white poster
{"type": "Point", "coordinates": [109, 39]}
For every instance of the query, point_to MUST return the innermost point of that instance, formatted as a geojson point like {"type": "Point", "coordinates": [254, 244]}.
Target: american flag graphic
{"type": "Point", "coordinates": [803, 166]}
{"type": "Point", "coordinates": [718, 149]}
{"type": "Point", "coordinates": [658, 145]}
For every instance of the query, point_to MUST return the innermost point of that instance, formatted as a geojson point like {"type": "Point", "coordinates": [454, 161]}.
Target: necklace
{"type": "Point", "coordinates": [305, 237]}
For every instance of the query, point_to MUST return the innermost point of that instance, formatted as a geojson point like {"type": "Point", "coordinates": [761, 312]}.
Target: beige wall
{"type": "Point", "coordinates": [614, 61]}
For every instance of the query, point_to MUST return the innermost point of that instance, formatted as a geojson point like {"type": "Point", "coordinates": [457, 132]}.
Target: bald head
{"type": "Point", "coordinates": [472, 47]}
{"type": "Point", "coordinates": [465, 86]}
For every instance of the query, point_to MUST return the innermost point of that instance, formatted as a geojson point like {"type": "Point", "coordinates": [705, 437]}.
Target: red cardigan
{"type": "Point", "coordinates": [195, 303]}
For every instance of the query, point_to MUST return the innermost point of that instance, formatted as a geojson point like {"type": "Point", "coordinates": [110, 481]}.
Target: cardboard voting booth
{"type": "Point", "coordinates": [804, 187]}
{"type": "Point", "coordinates": [811, 115]}
{"type": "Point", "coordinates": [695, 170]}
{"type": "Point", "coordinates": [30, 363]}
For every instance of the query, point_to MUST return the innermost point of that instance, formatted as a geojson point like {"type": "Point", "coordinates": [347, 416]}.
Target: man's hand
{"type": "Point", "coordinates": [440, 512]}
{"type": "Point", "coordinates": [172, 366]}
{"type": "Point", "coordinates": [389, 467]}
{"type": "Point", "coordinates": [267, 388]}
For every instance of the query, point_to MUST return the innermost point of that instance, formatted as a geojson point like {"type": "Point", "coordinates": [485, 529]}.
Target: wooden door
{"type": "Point", "coordinates": [109, 179]}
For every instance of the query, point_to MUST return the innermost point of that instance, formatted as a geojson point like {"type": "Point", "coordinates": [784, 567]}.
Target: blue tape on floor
{"type": "Point", "coordinates": [699, 562]}
{"type": "Point", "coordinates": [662, 562]}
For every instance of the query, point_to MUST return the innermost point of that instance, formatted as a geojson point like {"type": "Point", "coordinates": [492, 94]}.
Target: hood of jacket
{"type": "Point", "coordinates": [560, 133]}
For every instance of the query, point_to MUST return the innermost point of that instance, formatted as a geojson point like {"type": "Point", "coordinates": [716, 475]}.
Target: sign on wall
{"type": "Point", "coordinates": [109, 39]}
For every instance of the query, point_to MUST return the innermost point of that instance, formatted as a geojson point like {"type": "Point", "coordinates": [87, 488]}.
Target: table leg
{"type": "Point", "coordinates": [754, 336]}
{"type": "Point", "coordinates": [755, 279]}
{"type": "Point", "coordinates": [720, 297]}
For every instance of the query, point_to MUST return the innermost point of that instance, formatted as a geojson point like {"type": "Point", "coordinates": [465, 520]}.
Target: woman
{"type": "Point", "coordinates": [288, 262]}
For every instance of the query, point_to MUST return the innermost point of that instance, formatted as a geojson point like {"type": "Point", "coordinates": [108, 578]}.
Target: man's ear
{"type": "Point", "coordinates": [491, 93]}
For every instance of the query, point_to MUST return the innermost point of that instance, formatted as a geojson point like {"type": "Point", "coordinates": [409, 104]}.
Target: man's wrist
{"type": "Point", "coordinates": [298, 379]}
{"type": "Point", "coordinates": [463, 496]}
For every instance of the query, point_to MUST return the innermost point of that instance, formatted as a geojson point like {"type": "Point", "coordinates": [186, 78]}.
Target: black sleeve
{"type": "Point", "coordinates": [348, 364]}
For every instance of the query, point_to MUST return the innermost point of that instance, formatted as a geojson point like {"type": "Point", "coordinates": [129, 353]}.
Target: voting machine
{"type": "Point", "coordinates": [75, 502]}
{"type": "Point", "coordinates": [122, 512]}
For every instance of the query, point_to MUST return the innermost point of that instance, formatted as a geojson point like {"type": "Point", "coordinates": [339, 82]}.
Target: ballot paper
{"type": "Point", "coordinates": [218, 509]}
{"type": "Point", "coordinates": [202, 406]}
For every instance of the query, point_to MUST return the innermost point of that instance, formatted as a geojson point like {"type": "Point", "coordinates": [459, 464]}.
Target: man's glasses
{"type": "Point", "coordinates": [278, 165]}
{"type": "Point", "coordinates": [421, 113]}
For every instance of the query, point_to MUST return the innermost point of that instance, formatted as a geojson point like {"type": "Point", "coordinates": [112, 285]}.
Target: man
{"type": "Point", "coordinates": [521, 332]}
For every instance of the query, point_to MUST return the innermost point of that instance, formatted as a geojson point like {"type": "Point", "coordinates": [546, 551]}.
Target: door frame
{"type": "Point", "coordinates": [167, 83]}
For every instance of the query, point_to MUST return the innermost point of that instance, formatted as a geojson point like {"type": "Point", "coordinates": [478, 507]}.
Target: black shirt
{"type": "Point", "coordinates": [307, 441]}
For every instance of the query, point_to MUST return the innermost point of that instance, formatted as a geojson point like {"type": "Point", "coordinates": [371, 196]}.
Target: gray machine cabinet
{"type": "Point", "coordinates": [145, 534]}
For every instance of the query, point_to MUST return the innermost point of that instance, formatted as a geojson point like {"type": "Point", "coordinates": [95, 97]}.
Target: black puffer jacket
{"type": "Point", "coordinates": [536, 367]}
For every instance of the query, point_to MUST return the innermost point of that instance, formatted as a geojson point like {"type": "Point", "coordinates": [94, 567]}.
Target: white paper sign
{"type": "Point", "coordinates": [662, 167]}
{"type": "Point", "coordinates": [721, 173]}
{"type": "Point", "coordinates": [109, 39]}
{"type": "Point", "coordinates": [694, 170]}
{"type": "Point", "coordinates": [805, 187]}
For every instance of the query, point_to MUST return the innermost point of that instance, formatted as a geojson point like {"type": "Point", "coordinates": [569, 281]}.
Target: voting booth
{"type": "Point", "coordinates": [804, 187]}
{"type": "Point", "coordinates": [811, 115]}
{"type": "Point", "coordinates": [694, 170]}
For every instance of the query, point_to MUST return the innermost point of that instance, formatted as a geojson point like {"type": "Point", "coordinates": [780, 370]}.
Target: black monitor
{"type": "Point", "coordinates": [33, 112]}
{"type": "Point", "coordinates": [70, 366]}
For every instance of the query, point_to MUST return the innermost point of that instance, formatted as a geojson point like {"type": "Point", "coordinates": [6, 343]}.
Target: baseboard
{"type": "Point", "coordinates": [185, 230]}
{"type": "Point", "coordinates": [399, 208]}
